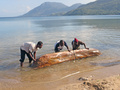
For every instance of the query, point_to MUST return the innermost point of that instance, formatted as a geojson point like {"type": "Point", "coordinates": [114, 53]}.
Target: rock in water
{"type": "Point", "coordinates": [59, 57]}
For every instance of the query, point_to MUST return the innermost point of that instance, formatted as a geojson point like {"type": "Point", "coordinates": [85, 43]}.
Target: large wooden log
{"type": "Point", "coordinates": [54, 58]}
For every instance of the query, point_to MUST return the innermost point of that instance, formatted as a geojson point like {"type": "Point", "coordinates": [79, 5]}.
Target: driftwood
{"type": "Point", "coordinates": [54, 58]}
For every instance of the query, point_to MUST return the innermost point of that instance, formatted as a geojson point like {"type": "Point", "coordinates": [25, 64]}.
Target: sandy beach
{"type": "Point", "coordinates": [102, 78]}
{"type": "Point", "coordinates": [106, 78]}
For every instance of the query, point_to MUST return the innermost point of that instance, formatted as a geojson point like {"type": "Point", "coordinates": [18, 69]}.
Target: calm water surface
{"type": "Point", "coordinates": [100, 32]}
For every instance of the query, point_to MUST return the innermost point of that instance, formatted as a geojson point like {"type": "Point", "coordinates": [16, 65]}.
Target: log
{"type": "Point", "coordinates": [59, 57]}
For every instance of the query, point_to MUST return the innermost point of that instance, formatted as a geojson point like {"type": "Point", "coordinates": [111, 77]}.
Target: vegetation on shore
{"type": "Point", "coordinates": [99, 7]}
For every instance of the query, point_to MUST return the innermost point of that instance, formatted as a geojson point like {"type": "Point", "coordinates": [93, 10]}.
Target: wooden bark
{"type": "Point", "coordinates": [54, 58]}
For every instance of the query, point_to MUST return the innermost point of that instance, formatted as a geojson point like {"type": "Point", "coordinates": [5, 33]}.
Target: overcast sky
{"type": "Point", "coordinates": [11, 8]}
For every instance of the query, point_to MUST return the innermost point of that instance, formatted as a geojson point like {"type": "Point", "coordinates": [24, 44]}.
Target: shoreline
{"type": "Point", "coordinates": [102, 78]}
{"type": "Point", "coordinates": [108, 83]}
{"type": "Point", "coordinates": [106, 78]}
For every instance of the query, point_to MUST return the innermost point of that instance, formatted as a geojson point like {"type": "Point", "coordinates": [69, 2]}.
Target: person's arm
{"type": "Point", "coordinates": [30, 53]}
{"type": "Point", "coordinates": [35, 55]}
{"type": "Point", "coordinates": [31, 56]}
{"type": "Point", "coordinates": [66, 46]}
{"type": "Point", "coordinates": [68, 49]}
{"type": "Point", "coordinates": [85, 46]}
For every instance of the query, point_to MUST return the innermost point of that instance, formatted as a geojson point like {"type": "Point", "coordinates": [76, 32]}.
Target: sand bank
{"type": "Point", "coordinates": [103, 78]}
{"type": "Point", "coordinates": [106, 78]}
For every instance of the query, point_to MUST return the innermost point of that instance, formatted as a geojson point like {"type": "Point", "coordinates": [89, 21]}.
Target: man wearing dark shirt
{"type": "Point", "coordinates": [59, 46]}
{"type": "Point", "coordinates": [76, 44]}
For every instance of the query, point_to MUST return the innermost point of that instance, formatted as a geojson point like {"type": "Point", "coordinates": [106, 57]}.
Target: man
{"type": "Point", "coordinates": [76, 44]}
{"type": "Point", "coordinates": [29, 48]}
{"type": "Point", "coordinates": [59, 46]}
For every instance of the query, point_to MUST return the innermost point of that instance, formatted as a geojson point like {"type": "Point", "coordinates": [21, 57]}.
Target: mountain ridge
{"type": "Point", "coordinates": [99, 7]}
{"type": "Point", "coordinates": [50, 8]}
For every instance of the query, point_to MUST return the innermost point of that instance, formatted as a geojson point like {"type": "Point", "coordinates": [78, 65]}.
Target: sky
{"type": "Point", "coordinates": [11, 8]}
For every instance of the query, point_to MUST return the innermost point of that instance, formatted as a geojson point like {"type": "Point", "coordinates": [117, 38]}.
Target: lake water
{"type": "Point", "coordinates": [100, 32]}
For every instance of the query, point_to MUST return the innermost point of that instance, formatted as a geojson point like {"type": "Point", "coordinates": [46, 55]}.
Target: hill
{"type": "Point", "coordinates": [50, 8]}
{"type": "Point", "coordinates": [99, 7]}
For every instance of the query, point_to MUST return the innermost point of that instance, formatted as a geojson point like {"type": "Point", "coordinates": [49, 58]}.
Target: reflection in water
{"type": "Point", "coordinates": [98, 23]}
{"type": "Point", "coordinates": [107, 64]}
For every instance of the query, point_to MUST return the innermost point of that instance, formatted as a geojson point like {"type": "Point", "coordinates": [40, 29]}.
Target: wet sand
{"type": "Point", "coordinates": [102, 78]}
{"type": "Point", "coordinates": [106, 78]}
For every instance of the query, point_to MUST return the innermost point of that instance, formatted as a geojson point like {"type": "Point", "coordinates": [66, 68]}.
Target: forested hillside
{"type": "Point", "coordinates": [99, 7]}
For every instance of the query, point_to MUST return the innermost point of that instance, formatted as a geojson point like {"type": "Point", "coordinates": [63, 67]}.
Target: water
{"type": "Point", "coordinates": [100, 32]}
